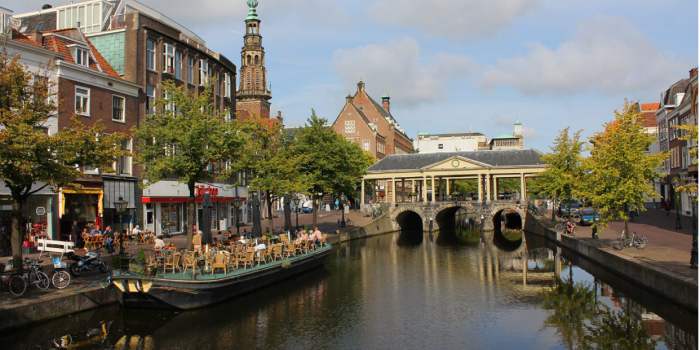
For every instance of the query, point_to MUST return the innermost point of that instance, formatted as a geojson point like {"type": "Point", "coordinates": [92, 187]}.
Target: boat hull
{"type": "Point", "coordinates": [187, 295]}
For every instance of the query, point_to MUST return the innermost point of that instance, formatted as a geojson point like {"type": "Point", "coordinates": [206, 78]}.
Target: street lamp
{"type": "Point", "coordinates": [296, 201]}
{"type": "Point", "coordinates": [676, 184]}
{"type": "Point", "coordinates": [237, 205]}
{"type": "Point", "coordinates": [120, 206]}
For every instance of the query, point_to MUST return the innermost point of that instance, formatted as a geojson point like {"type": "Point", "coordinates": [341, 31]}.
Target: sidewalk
{"type": "Point", "coordinates": [667, 249]}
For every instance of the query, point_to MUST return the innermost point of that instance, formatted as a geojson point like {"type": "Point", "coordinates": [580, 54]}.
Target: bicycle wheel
{"type": "Point", "coordinates": [618, 245]}
{"type": "Point", "coordinates": [60, 279]}
{"type": "Point", "coordinates": [42, 280]}
{"type": "Point", "coordinates": [17, 285]}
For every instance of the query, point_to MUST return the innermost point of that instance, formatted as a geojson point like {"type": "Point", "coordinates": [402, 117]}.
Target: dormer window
{"type": "Point", "coordinates": [81, 55]}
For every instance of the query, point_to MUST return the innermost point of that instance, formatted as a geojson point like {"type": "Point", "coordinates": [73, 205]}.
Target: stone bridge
{"type": "Point", "coordinates": [489, 216]}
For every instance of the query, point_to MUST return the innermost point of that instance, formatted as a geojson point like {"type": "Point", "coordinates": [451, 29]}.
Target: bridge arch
{"type": "Point", "coordinates": [508, 229]}
{"type": "Point", "coordinates": [410, 226]}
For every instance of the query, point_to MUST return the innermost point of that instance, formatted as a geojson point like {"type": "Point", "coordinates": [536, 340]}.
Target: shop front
{"type": "Point", "coordinates": [81, 206]}
{"type": "Point", "coordinates": [165, 206]}
{"type": "Point", "coordinates": [120, 190]}
{"type": "Point", "coordinates": [39, 213]}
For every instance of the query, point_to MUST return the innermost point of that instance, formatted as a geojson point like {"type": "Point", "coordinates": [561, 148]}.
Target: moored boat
{"type": "Point", "coordinates": [187, 290]}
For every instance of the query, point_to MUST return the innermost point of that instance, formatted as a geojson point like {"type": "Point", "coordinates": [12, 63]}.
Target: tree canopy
{"type": "Point", "coordinates": [619, 172]}
{"type": "Point", "coordinates": [188, 140]}
{"type": "Point", "coordinates": [32, 158]}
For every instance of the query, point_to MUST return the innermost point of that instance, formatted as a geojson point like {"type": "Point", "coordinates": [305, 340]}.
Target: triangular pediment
{"type": "Point", "coordinates": [455, 163]}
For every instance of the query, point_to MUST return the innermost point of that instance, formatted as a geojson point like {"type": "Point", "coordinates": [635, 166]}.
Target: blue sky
{"type": "Point", "coordinates": [459, 65]}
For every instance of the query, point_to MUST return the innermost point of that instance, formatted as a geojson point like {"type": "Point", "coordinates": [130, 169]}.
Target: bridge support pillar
{"type": "Point", "coordinates": [480, 185]}
{"type": "Point", "coordinates": [432, 188]}
{"type": "Point", "coordinates": [523, 190]}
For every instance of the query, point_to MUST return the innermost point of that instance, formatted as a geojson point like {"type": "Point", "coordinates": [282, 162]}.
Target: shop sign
{"type": "Point", "coordinates": [40, 211]}
{"type": "Point", "coordinates": [201, 190]}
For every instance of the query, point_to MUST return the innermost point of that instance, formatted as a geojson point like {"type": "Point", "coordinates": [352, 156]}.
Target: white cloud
{"type": "Point", "coordinates": [396, 68]}
{"type": "Point", "coordinates": [606, 55]}
{"type": "Point", "coordinates": [457, 19]}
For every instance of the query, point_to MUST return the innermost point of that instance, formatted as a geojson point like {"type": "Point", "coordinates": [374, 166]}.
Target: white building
{"type": "Point", "coordinates": [457, 142]}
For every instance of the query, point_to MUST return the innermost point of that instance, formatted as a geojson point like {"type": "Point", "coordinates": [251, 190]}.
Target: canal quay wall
{"type": "Point", "coordinates": [380, 226]}
{"type": "Point", "coordinates": [679, 289]}
{"type": "Point", "coordinates": [16, 313]}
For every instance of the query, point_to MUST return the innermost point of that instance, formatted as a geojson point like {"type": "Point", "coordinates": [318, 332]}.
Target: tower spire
{"type": "Point", "coordinates": [252, 5]}
{"type": "Point", "coordinates": [253, 93]}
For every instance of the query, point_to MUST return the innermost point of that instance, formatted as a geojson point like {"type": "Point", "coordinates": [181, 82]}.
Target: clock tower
{"type": "Point", "coordinates": [253, 96]}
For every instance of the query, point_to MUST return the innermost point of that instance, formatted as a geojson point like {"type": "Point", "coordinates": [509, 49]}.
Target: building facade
{"type": "Point", "coordinates": [87, 88]}
{"type": "Point", "coordinates": [678, 107]}
{"type": "Point", "coordinates": [146, 47]}
{"type": "Point", "coordinates": [371, 125]}
{"type": "Point", "coordinates": [455, 142]}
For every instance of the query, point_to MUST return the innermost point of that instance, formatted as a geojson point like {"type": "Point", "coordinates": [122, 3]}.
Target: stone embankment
{"type": "Point", "coordinates": [652, 276]}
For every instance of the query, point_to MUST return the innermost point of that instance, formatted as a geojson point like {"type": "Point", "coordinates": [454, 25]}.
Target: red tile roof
{"type": "Point", "coordinates": [60, 44]}
{"type": "Point", "coordinates": [17, 36]}
{"type": "Point", "coordinates": [650, 106]}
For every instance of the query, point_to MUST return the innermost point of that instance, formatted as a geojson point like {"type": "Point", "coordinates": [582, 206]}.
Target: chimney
{"type": "Point", "coordinates": [386, 103]}
{"type": "Point", "coordinates": [348, 98]}
{"type": "Point", "coordinates": [694, 72]}
{"type": "Point", "coordinates": [361, 86]}
{"type": "Point", "coordinates": [46, 6]}
{"type": "Point", "coordinates": [37, 37]}
{"type": "Point", "coordinates": [279, 116]}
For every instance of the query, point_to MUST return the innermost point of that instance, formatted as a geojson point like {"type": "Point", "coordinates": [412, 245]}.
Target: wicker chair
{"type": "Point", "coordinates": [247, 259]}
{"type": "Point", "coordinates": [189, 261]}
{"type": "Point", "coordinates": [172, 261]}
{"type": "Point", "coordinates": [277, 251]}
{"type": "Point", "coordinates": [220, 262]}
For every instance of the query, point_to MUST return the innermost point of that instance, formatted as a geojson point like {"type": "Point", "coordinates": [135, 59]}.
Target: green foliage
{"type": "Point", "coordinates": [30, 158]}
{"type": "Point", "coordinates": [333, 164]}
{"type": "Point", "coordinates": [619, 172]}
{"type": "Point", "coordinates": [184, 138]}
{"type": "Point", "coordinates": [689, 134]}
{"type": "Point", "coordinates": [572, 305]}
{"type": "Point", "coordinates": [563, 174]}
{"type": "Point", "coordinates": [617, 330]}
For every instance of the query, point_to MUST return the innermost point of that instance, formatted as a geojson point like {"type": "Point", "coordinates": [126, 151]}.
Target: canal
{"type": "Point", "coordinates": [404, 291]}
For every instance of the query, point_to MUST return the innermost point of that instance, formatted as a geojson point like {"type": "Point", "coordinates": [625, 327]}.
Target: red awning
{"type": "Point", "coordinates": [185, 199]}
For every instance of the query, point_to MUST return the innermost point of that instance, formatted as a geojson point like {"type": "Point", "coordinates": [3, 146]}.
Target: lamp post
{"type": "Point", "coordinates": [676, 195]}
{"type": "Point", "coordinates": [296, 201]}
{"type": "Point", "coordinates": [237, 206]}
{"type": "Point", "coordinates": [120, 206]}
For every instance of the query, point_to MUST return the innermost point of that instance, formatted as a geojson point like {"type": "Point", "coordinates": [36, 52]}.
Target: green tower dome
{"type": "Point", "coordinates": [252, 4]}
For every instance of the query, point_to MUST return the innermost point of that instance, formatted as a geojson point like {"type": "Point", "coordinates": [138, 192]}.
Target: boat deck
{"type": "Point", "coordinates": [209, 276]}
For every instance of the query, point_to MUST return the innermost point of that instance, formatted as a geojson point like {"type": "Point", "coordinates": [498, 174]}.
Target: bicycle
{"type": "Point", "coordinates": [60, 278]}
{"type": "Point", "coordinates": [636, 241]}
{"type": "Point", "coordinates": [34, 276]}
{"type": "Point", "coordinates": [14, 282]}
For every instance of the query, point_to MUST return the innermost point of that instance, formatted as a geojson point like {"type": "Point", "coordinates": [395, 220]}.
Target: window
{"type": "Point", "coordinates": [190, 70]}
{"type": "Point", "coordinates": [150, 99]}
{"type": "Point", "coordinates": [365, 145]}
{"type": "Point", "coordinates": [440, 146]}
{"type": "Point", "coordinates": [168, 58]}
{"type": "Point", "coordinates": [118, 107]}
{"type": "Point", "coordinates": [170, 105]}
{"type": "Point", "coordinates": [227, 85]}
{"type": "Point", "coordinates": [178, 65]}
{"type": "Point", "coordinates": [349, 126]}
{"type": "Point", "coordinates": [82, 101]}
{"type": "Point", "coordinates": [87, 16]}
{"type": "Point", "coordinates": [123, 164]}
{"type": "Point", "coordinates": [380, 147]}
{"type": "Point", "coordinates": [203, 72]}
{"type": "Point", "coordinates": [81, 56]}
{"type": "Point", "coordinates": [150, 54]}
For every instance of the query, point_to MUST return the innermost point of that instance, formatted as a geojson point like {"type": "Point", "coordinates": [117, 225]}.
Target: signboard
{"type": "Point", "coordinates": [40, 211]}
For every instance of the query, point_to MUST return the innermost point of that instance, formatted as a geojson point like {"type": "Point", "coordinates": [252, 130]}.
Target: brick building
{"type": "Point", "coordinates": [146, 47]}
{"type": "Point", "coordinates": [371, 125]}
{"type": "Point", "coordinates": [88, 88]}
{"type": "Point", "coordinates": [253, 96]}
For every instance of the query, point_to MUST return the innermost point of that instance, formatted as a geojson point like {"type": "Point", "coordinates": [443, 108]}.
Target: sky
{"type": "Point", "coordinates": [458, 65]}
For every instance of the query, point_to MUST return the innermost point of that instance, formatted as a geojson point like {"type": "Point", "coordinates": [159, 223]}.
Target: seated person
{"type": "Point", "coordinates": [95, 231]}
{"type": "Point", "coordinates": [136, 231]}
{"type": "Point", "coordinates": [159, 244]}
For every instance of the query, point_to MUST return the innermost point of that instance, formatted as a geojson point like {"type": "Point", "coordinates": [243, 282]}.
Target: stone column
{"type": "Point", "coordinates": [523, 190]}
{"type": "Point", "coordinates": [424, 188]}
{"type": "Point", "coordinates": [448, 187]}
{"type": "Point", "coordinates": [488, 188]}
{"type": "Point", "coordinates": [480, 186]}
{"type": "Point", "coordinates": [413, 191]}
{"type": "Point", "coordinates": [432, 187]}
{"type": "Point", "coordinates": [495, 188]}
{"type": "Point", "coordinates": [393, 190]}
{"type": "Point", "coordinates": [362, 194]}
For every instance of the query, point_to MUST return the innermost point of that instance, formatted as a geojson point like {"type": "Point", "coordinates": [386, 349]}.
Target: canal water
{"type": "Point", "coordinates": [398, 291]}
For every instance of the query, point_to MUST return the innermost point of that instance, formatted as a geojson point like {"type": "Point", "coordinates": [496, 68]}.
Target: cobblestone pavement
{"type": "Point", "coordinates": [667, 249]}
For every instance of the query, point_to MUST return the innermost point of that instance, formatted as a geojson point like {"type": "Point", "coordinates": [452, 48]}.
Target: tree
{"type": "Point", "coordinates": [271, 164]}
{"type": "Point", "coordinates": [563, 174]}
{"type": "Point", "coordinates": [188, 140]}
{"type": "Point", "coordinates": [619, 172]}
{"type": "Point", "coordinates": [30, 158]}
{"type": "Point", "coordinates": [330, 163]}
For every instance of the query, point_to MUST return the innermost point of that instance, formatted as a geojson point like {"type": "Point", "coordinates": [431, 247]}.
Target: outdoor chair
{"type": "Point", "coordinates": [197, 243]}
{"type": "Point", "coordinates": [277, 251]}
{"type": "Point", "coordinates": [289, 249]}
{"type": "Point", "coordinates": [219, 262]}
{"type": "Point", "coordinates": [248, 259]}
{"type": "Point", "coordinates": [232, 261]}
{"type": "Point", "coordinates": [172, 261]}
{"type": "Point", "coordinates": [189, 261]}
{"type": "Point", "coordinates": [151, 263]}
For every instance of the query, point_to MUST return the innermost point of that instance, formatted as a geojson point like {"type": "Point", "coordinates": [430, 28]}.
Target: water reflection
{"type": "Point", "coordinates": [397, 291]}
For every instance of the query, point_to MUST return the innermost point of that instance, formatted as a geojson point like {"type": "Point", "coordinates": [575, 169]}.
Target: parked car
{"type": "Point", "coordinates": [569, 208]}
{"type": "Point", "coordinates": [589, 216]}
